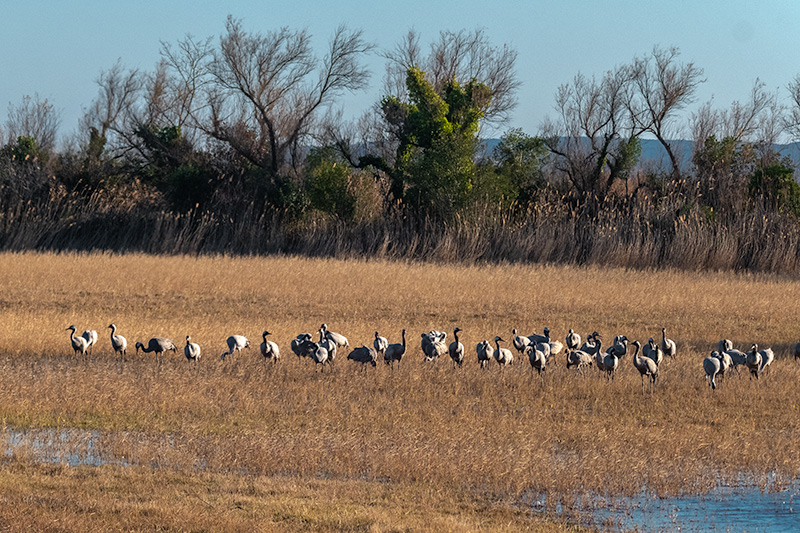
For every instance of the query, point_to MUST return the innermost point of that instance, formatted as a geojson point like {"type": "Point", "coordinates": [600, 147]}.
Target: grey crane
{"type": "Point", "coordinates": [191, 350]}
{"type": "Point", "coordinates": [91, 338]}
{"type": "Point", "coordinates": [364, 355]}
{"type": "Point", "coordinates": [667, 345]}
{"type": "Point", "coordinates": [380, 344]}
{"type": "Point", "coordinates": [118, 342]}
{"type": "Point", "coordinates": [619, 347]}
{"type": "Point", "coordinates": [427, 345]}
{"type": "Point", "coordinates": [573, 340]}
{"type": "Point", "coordinates": [737, 357]}
{"type": "Point", "coordinates": [503, 356]}
{"type": "Point", "coordinates": [767, 356]}
{"type": "Point", "coordinates": [645, 366]}
{"type": "Point", "coordinates": [328, 344]}
{"type": "Point", "coordinates": [610, 364]}
{"type": "Point", "coordinates": [711, 365]}
{"type": "Point", "coordinates": [236, 343]}
{"type": "Point", "coordinates": [599, 356]}
{"type": "Point", "coordinates": [536, 338]}
{"type": "Point", "coordinates": [485, 353]}
{"type": "Point", "coordinates": [653, 351]}
{"type": "Point", "coordinates": [320, 356]}
{"type": "Point", "coordinates": [269, 349]}
{"type": "Point", "coordinates": [725, 362]}
{"type": "Point", "coordinates": [456, 350]}
{"type": "Point", "coordinates": [433, 345]}
{"type": "Point", "coordinates": [520, 342]}
{"type": "Point", "coordinates": [303, 345]}
{"type": "Point", "coordinates": [579, 359]}
{"type": "Point", "coordinates": [543, 347]}
{"type": "Point", "coordinates": [555, 348]}
{"type": "Point", "coordinates": [537, 358]}
{"type": "Point", "coordinates": [395, 352]}
{"type": "Point", "coordinates": [753, 361]}
{"type": "Point", "coordinates": [79, 344]}
{"type": "Point", "coordinates": [590, 346]}
{"type": "Point", "coordinates": [340, 340]}
{"type": "Point", "coordinates": [158, 345]}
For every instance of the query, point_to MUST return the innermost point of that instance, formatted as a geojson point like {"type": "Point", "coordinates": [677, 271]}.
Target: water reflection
{"type": "Point", "coordinates": [741, 508]}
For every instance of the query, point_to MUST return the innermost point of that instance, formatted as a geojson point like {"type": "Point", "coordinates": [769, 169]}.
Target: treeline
{"type": "Point", "coordinates": [234, 145]}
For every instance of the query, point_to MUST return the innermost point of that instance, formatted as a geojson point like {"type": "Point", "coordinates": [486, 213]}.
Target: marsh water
{"type": "Point", "coordinates": [743, 507]}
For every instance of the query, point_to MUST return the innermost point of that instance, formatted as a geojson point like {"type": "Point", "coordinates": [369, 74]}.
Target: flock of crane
{"type": "Point", "coordinates": [540, 350]}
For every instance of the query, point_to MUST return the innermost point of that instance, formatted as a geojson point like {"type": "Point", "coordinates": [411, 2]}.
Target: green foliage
{"type": "Point", "coordinates": [723, 168]}
{"type": "Point", "coordinates": [518, 176]}
{"type": "Point", "coordinates": [174, 168]}
{"type": "Point", "coordinates": [716, 154]}
{"type": "Point", "coordinates": [437, 139]}
{"type": "Point", "coordinates": [776, 187]}
{"type": "Point", "coordinates": [626, 158]}
{"type": "Point", "coordinates": [327, 178]}
{"type": "Point", "coordinates": [25, 150]}
{"type": "Point", "coordinates": [97, 144]}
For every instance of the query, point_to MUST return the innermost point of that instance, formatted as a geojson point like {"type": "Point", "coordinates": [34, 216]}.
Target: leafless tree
{"type": "Point", "coordinates": [745, 135]}
{"type": "Point", "coordinates": [264, 92]}
{"type": "Point", "coordinates": [660, 87]}
{"type": "Point", "coordinates": [176, 89]}
{"type": "Point", "coordinates": [792, 120]}
{"type": "Point", "coordinates": [35, 118]}
{"type": "Point", "coordinates": [592, 136]}
{"type": "Point", "coordinates": [108, 122]}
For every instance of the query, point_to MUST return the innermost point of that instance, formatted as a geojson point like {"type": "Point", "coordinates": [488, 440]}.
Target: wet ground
{"type": "Point", "coordinates": [744, 507]}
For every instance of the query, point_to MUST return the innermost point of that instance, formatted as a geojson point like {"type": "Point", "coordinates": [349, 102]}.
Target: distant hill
{"type": "Point", "coordinates": [654, 153]}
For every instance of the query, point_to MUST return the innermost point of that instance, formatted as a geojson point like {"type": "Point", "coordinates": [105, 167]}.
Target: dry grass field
{"type": "Point", "coordinates": [226, 445]}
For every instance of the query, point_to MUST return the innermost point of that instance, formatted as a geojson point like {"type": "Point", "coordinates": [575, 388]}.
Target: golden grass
{"type": "Point", "coordinates": [57, 498]}
{"type": "Point", "coordinates": [468, 431]}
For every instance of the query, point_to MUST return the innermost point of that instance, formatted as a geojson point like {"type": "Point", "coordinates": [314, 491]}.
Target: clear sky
{"type": "Point", "coordinates": [58, 48]}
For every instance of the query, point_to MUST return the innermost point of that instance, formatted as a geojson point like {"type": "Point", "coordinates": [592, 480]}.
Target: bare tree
{"type": "Point", "coordinates": [792, 120]}
{"type": "Point", "coordinates": [759, 120]}
{"type": "Point", "coordinates": [592, 138]}
{"type": "Point", "coordinates": [35, 118]}
{"type": "Point", "coordinates": [109, 120]}
{"type": "Point", "coordinates": [264, 91]}
{"type": "Point", "coordinates": [660, 87]}
{"type": "Point", "coordinates": [175, 90]}
{"type": "Point", "coordinates": [730, 144]}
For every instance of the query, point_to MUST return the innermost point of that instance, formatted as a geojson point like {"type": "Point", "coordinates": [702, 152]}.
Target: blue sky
{"type": "Point", "coordinates": [58, 48]}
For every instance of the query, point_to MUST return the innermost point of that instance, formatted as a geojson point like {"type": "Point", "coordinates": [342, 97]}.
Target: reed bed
{"type": "Point", "coordinates": [492, 435]}
{"type": "Point", "coordinates": [631, 232]}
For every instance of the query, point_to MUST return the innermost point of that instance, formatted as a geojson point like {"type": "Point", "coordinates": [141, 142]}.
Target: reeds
{"type": "Point", "coordinates": [636, 234]}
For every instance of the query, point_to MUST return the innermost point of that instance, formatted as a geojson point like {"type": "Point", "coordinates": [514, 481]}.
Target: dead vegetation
{"type": "Point", "coordinates": [468, 432]}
